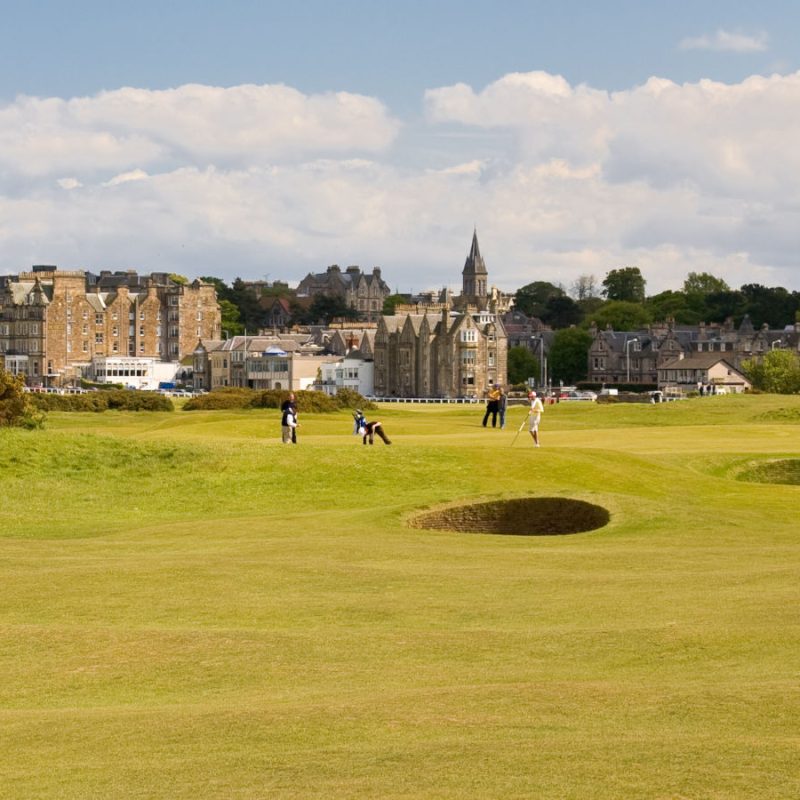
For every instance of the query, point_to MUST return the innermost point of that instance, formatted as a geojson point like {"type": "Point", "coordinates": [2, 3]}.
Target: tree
{"type": "Point", "coordinates": [391, 301]}
{"type": "Point", "coordinates": [531, 299]}
{"type": "Point", "coordinates": [179, 279]}
{"type": "Point", "coordinates": [561, 311]}
{"type": "Point", "coordinates": [771, 305]}
{"type": "Point", "coordinates": [16, 408]}
{"type": "Point", "coordinates": [778, 372]}
{"type": "Point", "coordinates": [676, 305]}
{"type": "Point", "coordinates": [625, 283]}
{"type": "Point", "coordinates": [704, 283]}
{"type": "Point", "coordinates": [584, 287]}
{"type": "Point", "coordinates": [621, 316]}
{"type": "Point", "coordinates": [721, 305]}
{"type": "Point", "coordinates": [230, 318]}
{"type": "Point", "coordinates": [522, 364]}
{"type": "Point", "coordinates": [325, 308]}
{"type": "Point", "coordinates": [569, 355]}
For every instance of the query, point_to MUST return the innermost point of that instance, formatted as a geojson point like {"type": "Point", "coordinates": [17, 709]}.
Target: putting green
{"type": "Point", "coordinates": [190, 609]}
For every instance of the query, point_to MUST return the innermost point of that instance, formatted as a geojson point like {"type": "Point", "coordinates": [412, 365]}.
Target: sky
{"type": "Point", "coordinates": [266, 140]}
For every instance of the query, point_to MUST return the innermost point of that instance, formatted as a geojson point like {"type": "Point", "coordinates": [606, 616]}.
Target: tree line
{"type": "Point", "coordinates": [620, 301]}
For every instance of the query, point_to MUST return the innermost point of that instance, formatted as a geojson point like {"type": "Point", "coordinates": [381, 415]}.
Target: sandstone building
{"type": "Point", "coordinates": [54, 323]}
{"type": "Point", "coordinates": [360, 291]}
{"type": "Point", "coordinates": [439, 351]}
{"type": "Point", "coordinates": [642, 356]}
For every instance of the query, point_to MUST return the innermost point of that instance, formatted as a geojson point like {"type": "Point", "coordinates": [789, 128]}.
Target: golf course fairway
{"type": "Point", "coordinates": [190, 609]}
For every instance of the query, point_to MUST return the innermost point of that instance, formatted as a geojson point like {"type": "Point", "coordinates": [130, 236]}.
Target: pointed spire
{"type": "Point", "coordinates": [474, 263]}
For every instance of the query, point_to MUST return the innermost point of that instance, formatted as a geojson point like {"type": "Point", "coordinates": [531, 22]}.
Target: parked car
{"type": "Point", "coordinates": [575, 395]}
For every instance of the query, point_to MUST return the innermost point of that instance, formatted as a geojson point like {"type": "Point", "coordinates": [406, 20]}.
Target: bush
{"type": "Point", "coordinates": [231, 397]}
{"type": "Point", "coordinates": [16, 408]}
{"type": "Point", "coordinates": [116, 399]}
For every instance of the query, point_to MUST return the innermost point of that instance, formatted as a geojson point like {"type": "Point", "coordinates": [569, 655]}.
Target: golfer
{"type": "Point", "coordinates": [290, 404]}
{"type": "Point", "coordinates": [368, 430]}
{"type": "Point", "coordinates": [492, 405]}
{"type": "Point", "coordinates": [289, 426]}
{"type": "Point", "coordinates": [535, 415]}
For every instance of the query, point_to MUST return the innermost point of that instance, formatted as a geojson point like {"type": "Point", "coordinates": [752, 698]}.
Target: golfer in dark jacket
{"type": "Point", "coordinates": [368, 430]}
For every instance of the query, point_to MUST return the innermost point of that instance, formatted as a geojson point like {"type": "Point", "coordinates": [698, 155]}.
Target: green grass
{"type": "Point", "coordinates": [189, 609]}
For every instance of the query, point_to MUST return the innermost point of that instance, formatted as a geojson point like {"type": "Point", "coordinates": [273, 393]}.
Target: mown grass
{"type": "Point", "coordinates": [189, 608]}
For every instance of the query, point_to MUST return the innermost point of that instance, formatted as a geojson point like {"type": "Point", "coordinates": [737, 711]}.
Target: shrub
{"type": "Point", "coordinates": [16, 408]}
{"type": "Point", "coordinates": [231, 397]}
{"type": "Point", "coordinates": [118, 399]}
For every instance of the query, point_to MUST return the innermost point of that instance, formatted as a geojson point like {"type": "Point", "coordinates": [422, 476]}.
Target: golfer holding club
{"type": "Point", "coordinates": [534, 416]}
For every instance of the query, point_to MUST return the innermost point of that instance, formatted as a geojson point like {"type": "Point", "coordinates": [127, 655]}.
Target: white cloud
{"type": "Point", "coordinates": [192, 125]}
{"type": "Point", "coordinates": [674, 178]}
{"type": "Point", "coordinates": [726, 41]}
{"type": "Point", "coordinates": [127, 177]}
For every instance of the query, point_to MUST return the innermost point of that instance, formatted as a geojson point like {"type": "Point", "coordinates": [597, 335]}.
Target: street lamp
{"type": "Point", "coordinates": [540, 341]}
{"type": "Point", "coordinates": [628, 357]}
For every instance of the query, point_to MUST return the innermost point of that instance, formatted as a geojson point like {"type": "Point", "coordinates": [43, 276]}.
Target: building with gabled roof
{"type": "Point", "coordinates": [55, 323]}
{"type": "Point", "coordinates": [361, 291]}
{"type": "Point", "coordinates": [449, 355]}
{"type": "Point", "coordinates": [638, 356]}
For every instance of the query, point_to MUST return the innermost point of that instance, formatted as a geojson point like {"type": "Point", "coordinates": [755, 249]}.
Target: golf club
{"type": "Point", "coordinates": [519, 431]}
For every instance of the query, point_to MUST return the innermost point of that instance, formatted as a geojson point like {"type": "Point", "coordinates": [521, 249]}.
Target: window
{"type": "Point", "coordinates": [98, 319]}
{"type": "Point", "coordinates": [115, 331]}
{"type": "Point", "coordinates": [98, 338]}
{"type": "Point", "coordinates": [469, 335]}
{"type": "Point", "coordinates": [85, 347]}
{"type": "Point", "coordinates": [141, 330]}
{"type": "Point", "coordinates": [85, 330]}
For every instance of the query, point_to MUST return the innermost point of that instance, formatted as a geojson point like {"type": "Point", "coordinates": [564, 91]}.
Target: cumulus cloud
{"type": "Point", "coordinates": [560, 179]}
{"type": "Point", "coordinates": [131, 129]}
{"type": "Point", "coordinates": [725, 41]}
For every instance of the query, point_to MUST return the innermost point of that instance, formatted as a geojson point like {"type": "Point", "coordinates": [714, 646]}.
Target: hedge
{"type": "Point", "coordinates": [113, 399]}
{"type": "Point", "coordinates": [234, 397]}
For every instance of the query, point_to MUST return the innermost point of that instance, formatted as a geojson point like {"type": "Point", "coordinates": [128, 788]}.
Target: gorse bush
{"type": "Point", "coordinates": [307, 402]}
{"type": "Point", "coordinates": [16, 408]}
{"type": "Point", "coordinates": [113, 399]}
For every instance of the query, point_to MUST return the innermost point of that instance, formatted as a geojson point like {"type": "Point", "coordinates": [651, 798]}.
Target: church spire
{"type": "Point", "coordinates": [474, 276]}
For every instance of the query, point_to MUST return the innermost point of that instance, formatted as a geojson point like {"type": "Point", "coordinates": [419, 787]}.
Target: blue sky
{"type": "Point", "coordinates": [577, 136]}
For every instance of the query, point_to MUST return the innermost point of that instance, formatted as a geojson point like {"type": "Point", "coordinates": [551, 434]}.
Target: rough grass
{"type": "Point", "coordinates": [190, 609]}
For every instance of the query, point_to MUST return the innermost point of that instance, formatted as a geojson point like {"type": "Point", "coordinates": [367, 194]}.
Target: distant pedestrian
{"type": "Point", "coordinates": [291, 403]}
{"type": "Point", "coordinates": [492, 405]}
{"type": "Point", "coordinates": [535, 416]}
{"type": "Point", "coordinates": [289, 426]}
{"type": "Point", "coordinates": [368, 430]}
{"type": "Point", "coordinates": [502, 405]}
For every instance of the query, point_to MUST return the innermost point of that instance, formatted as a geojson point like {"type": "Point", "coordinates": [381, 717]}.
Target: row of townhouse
{"type": "Point", "coordinates": [56, 324]}
{"type": "Point", "coordinates": [281, 361]}
{"type": "Point", "coordinates": [684, 356]}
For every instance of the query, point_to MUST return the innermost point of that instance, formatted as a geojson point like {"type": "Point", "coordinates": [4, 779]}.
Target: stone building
{"type": "Point", "coordinates": [454, 348]}
{"type": "Point", "coordinates": [53, 323]}
{"type": "Point", "coordinates": [454, 354]}
{"type": "Point", "coordinates": [360, 291]}
{"type": "Point", "coordinates": [638, 356]}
